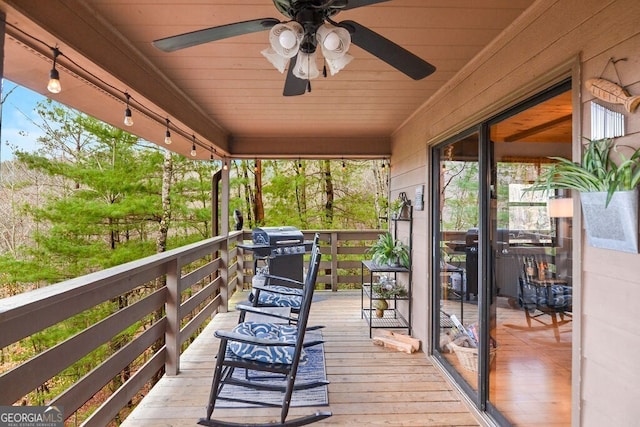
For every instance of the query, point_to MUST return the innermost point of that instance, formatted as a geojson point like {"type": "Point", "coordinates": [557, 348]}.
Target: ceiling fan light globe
{"type": "Point", "coordinates": [287, 39]}
{"type": "Point", "coordinates": [278, 61]}
{"type": "Point", "coordinates": [332, 41]}
{"type": "Point", "coordinates": [306, 67]}
{"type": "Point", "coordinates": [338, 64]}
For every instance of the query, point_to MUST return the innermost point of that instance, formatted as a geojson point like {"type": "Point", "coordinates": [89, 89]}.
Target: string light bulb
{"type": "Point", "coordinates": [193, 147]}
{"type": "Point", "coordinates": [128, 120]}
{"type": "Point", "coordinates": [54, 76]}
{"type": "Point", "coordinates": [225, 166]}
{"type": "Point", "coordinates": [344, 166]}
{"type": "Point", "coordinates": [167, 135]}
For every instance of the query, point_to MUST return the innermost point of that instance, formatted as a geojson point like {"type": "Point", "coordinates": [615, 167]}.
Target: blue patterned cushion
{"type": "Point", "coordinates": [268, 354]}
{"type": "Point", "coordinates": [279, 300]}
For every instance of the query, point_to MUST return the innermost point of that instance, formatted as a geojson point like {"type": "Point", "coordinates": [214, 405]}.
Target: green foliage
{"type": "Point", "coordinates": [387, 250]}
{"type": "Point", "coordinates": [597, 171]}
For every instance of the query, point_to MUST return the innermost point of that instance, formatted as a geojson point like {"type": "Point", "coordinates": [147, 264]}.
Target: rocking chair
{"type": "Point", "coordinates": [286, 293]}
{"type": "Point", "coordinates": [275, 348]}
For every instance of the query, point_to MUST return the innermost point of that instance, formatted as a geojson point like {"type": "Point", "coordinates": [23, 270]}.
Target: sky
{"type": "Point", "coordinates": [16, 111]}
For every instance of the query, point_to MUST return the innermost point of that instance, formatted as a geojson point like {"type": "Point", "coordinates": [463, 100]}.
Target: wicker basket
{"type": "Point", "coordinates": [468, 356]}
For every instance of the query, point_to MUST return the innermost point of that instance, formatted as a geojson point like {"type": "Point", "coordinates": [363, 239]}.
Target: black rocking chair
{"type": "Point", "coordinates": [274, 348]}
{"type": "Point", "coordinates": [276, 291]}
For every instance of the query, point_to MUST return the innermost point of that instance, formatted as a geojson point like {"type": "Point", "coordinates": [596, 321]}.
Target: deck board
{"type": "Point", "coordinates": [370, 385]}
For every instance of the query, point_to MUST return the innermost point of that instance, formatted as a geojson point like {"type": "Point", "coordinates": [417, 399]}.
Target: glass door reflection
{"type": "Point", "coordinates": [457, 267]}
{"type": "Point", "coordinates": [531, 265]}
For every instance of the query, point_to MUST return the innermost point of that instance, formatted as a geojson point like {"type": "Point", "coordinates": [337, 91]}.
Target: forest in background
{"type": "Point", "coordinates": [93, 196]}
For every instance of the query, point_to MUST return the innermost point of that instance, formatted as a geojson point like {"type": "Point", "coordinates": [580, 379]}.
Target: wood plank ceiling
{"type": "Point", "coordinates": [225, 93]}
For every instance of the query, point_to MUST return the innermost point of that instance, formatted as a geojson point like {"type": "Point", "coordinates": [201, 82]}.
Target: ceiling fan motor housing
{"type": "Point", "coordinates": [290, 8]}
{"type": "Point", "coordinates": [310, 19]}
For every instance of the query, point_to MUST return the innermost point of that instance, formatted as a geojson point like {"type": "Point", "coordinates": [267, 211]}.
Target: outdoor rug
{"type": "Point", "coordinates": [312, 370]}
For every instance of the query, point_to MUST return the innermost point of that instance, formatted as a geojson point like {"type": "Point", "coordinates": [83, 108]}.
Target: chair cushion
{"type": "Point", "coordinates": [267, 354]}
{"type": "Point", "coordinates": [279, 300]}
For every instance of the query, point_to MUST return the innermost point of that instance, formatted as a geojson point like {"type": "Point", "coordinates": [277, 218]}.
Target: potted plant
{"type": "Point", "coordinates": [389, 251]}
{"type": "Point", "coordinates": [608, 192]}
{"type": "Point", "coordinates": [387, 288]}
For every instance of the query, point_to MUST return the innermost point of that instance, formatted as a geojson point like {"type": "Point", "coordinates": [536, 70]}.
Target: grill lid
{"type": "Point", "coordinates": [277, 236]}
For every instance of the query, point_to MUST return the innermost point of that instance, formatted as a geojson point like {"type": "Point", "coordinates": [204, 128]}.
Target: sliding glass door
{"type": "Point", "coordinates": [456, 169]}
{"type": "Point", "coordinates": [502, 282]}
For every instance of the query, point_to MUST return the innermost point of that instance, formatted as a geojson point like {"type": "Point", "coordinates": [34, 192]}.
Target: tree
{"type": "Point", "coordinates": [257, 194]}
{"type": "Point", "coordinates": [328, 191]}
{"type": "Point", "coordinates": [165, 217]}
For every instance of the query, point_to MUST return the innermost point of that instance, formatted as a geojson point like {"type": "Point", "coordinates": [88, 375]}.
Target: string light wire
{"type": "Point", "coordinates": [119, 94]}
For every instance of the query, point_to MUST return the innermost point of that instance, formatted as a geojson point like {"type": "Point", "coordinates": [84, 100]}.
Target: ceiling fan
{"type": "Point", "coordinates": [295, 41]}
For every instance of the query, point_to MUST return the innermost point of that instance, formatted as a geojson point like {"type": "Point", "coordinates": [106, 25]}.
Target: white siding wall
{"type": "Point", "coordinates": [541, 48]}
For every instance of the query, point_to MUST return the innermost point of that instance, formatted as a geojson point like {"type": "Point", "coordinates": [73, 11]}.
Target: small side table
{"type": "Point", "coordinates": [391, 318]}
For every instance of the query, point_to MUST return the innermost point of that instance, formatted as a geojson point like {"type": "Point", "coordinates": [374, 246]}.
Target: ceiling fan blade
{"type": "Point", "coordinates": [388, 51]}
{"type": "Point", "coordinates": [181, 41]}
{"type": "Point", "coordinates": [352, 4]}
{"type": "Point", "coordinates": [294, 86]}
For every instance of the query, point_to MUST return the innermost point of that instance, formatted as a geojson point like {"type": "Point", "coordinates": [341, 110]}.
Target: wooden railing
{"type": "Point", "coordinates": [342, 253]}
{"type": "Point", "coordinates": [154, 308]}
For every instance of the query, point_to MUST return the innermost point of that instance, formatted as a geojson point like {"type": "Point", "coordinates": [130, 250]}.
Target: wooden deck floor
{"type": "Point", "coordinates": [370, 385]}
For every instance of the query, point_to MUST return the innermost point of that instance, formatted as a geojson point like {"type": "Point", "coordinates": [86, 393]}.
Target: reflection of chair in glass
{"type": "Point", "coordinates": [545, 296]}
{"type": "Point", "coordinates": [275, 348]}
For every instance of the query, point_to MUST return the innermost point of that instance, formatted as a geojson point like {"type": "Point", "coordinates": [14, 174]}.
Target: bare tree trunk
{"type": "Point", "coordinates": [167, 174]}
{"type": "Point", "coordinates": [246, 193]}
{"type": "Point", "coordinates": [382, 189]}
{"type": "Point", "coordinates": [328, 190]}
{"type": "Point", "coordinates": [301, 193]}
{"type": "Point", "coordinates": [258, 204]}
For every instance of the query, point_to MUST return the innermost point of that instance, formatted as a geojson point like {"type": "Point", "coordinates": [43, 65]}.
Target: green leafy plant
{"type": "Point", "coordinates": [387, 251]}
{"type": "Point", "coordinates": [597, 171]}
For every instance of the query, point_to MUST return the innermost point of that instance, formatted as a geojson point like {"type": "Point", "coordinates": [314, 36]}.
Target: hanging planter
{"type": "Point", "coordinates": [614, 226]}
{"type": "Point", "coordinates": [608, 192]}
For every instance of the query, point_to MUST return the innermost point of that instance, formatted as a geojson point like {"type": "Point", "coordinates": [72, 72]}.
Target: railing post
{"type": "Point", "coordinates": [172, 306]}
{"type": "Point", "coordinates": [224, 275]}
{"type": "Point", "coordinates": [240, 270]}
{"type": "Point", "coordinates": [334, 261]}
